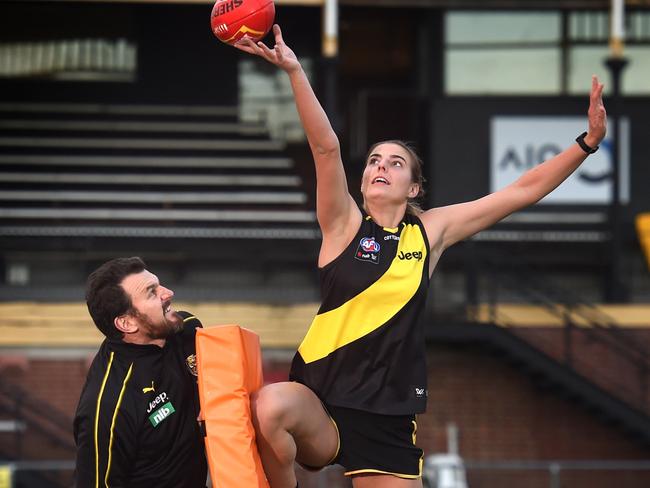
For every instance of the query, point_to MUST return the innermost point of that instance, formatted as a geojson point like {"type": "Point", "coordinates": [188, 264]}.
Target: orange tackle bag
{"type": "Point", "coordinates": [229, 367]}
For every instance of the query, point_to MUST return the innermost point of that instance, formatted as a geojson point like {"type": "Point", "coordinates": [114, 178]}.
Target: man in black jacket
{"type": "Point", "coordinates": [136, 423]}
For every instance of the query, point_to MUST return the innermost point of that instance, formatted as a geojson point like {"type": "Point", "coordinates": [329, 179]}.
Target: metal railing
{"type": "Point", "coordinates": [483, 474]}
{"type": "Point", "coordinates": [32, 415]}
{"type": "Point", "coordinates": [578, 317]}
{"type": "Point", "coordinates": [546, 474]}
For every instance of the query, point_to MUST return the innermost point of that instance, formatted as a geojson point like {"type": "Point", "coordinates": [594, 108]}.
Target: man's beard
{"type": "Point", "coordinates": [164, 330]}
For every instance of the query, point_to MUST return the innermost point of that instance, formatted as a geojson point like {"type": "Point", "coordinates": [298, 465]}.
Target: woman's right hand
{"type": "Point", "coordinates": [281, 55]}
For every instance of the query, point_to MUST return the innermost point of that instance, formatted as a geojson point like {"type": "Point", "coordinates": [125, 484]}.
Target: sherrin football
{"type": "Point", "coordinates": [233, 19]}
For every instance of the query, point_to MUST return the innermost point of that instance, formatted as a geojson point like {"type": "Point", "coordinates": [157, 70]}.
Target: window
{"type": "Point", "coordinates": [502, 52]}
{"type": "Point", "coordinates": [265, 95]}
{"type": "Point", "coordinates": [588, 47]}
{"type": "Point", "coordinates": [540, 53]}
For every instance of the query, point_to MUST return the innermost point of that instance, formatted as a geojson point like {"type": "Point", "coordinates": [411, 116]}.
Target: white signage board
{"type": "Point", "coordinates": [520, 143]}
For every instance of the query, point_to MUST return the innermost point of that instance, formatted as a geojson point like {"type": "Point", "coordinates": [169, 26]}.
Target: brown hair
{"type": "Point", "coordinates": [413, 205]}
{"type": "Point", "coordinates": [105, 297]}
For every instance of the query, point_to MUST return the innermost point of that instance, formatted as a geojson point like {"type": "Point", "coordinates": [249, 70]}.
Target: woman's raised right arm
{"type": "Point", "coordinates": [335, 209]}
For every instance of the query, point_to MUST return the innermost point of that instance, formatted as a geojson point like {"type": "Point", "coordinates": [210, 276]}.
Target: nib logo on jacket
{"type": "Point", "coordinates": [162, 412]}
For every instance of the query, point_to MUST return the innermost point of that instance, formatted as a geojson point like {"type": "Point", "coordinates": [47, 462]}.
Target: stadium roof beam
{"type": "Point", "coordinates": [460, 4]}
{"type": "Point", "coordinates": [486, 4]}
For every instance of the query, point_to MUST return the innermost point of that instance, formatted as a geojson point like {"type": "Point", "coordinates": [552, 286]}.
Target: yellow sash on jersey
{"type": "Point", "coordinates": [374, 306]}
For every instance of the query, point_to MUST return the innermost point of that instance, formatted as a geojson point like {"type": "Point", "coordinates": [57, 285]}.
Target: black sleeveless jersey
{"type": "Point", "coordinates": [365, 348]}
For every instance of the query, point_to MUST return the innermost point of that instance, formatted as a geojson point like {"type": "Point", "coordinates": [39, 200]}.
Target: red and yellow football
{"type": "Point", "coordinates": [233, 19]}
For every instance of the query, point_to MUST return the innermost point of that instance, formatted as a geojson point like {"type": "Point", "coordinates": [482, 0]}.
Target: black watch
{"type": "Point", "coordinates": [581, 142]}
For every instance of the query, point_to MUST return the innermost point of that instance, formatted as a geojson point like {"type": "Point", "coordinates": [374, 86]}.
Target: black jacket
{"type": "Point", "coordinates": [136, 424]}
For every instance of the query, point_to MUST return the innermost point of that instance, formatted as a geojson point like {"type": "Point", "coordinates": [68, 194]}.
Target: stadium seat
{"type": "Point", "coordinates": [643, 231]}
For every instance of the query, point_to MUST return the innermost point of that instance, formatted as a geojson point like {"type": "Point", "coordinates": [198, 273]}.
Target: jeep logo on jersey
{"type": "Point", "coordinates": [157, 401]}
{"type": "Point", "coordinates": [368, 250]}
{"type": "Point", "coordinates": [161, 414]}
{"type": "Point", "coordinates": [417, 255]}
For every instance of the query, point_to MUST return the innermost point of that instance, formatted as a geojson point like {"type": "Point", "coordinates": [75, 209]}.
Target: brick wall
{"type": "Point", "coordinates": [501, 414]}
{"type": "Point", "coordinates": [55, 381]}
{"type": "Point", "coordinates": [610, 359]}
{"type": "Point", "coordinates": [53, 385]}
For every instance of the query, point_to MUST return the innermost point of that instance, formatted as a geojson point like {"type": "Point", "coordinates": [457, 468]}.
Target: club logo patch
{"type": "Point", "coordinates": [368, 250]}
{"type": "Point", "coordinates": [191, 364]}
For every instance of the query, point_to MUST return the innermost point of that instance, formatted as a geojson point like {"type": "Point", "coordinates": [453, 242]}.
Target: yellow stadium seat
{"type": "Point", "coordinates": [643, 231]}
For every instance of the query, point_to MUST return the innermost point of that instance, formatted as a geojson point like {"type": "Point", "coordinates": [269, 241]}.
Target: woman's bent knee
{"type": "Point", "coordinates": [288, 405]}
{"type": "Point", "coordinates": [272, 406]}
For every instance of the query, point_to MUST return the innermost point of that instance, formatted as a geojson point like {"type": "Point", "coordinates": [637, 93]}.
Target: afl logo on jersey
{"type": "Point", "coordinates": [368, 244]}
{"type": "Point", "coordinates": [368, 250]}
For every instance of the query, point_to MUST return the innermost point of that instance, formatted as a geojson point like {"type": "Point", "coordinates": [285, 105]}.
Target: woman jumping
{"type": "Point", "coordinates": [359, 376]}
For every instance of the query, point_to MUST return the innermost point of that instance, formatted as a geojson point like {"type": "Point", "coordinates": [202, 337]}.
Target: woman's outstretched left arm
{"type": "Point", "coordinates": [450, 224]}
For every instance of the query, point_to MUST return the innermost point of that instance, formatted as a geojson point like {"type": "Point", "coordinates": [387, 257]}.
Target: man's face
{"type": "Point", "coordinates": [153, 313]}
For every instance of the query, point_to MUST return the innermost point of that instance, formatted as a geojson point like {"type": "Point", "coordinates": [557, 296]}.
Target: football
{"type": "Point", "coordinates": [232, 20]}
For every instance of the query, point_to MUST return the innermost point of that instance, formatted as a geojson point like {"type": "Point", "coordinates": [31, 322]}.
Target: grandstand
{"type": "Point", "coordinates": [142, 135]}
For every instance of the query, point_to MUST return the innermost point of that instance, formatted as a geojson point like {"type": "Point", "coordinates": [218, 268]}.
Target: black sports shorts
{"type": "Point", "coordinates": [374, 443]}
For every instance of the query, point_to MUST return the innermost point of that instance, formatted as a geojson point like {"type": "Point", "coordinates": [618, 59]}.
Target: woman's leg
{"type": "Point", "coordinates": [291, 425]}
{"type": "Point", "coordinates": [384, 481]}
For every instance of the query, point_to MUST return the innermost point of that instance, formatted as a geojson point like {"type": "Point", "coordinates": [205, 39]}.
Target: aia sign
{"type": "Point", "coordinates": [520, 143]}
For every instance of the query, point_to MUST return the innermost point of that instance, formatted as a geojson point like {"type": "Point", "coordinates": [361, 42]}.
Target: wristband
{"type": "Point", "coordinates": [583, 145]}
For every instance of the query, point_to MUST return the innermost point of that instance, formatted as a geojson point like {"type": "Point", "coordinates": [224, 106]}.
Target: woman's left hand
{"type": "Point", "coordinates": [597, 114]}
